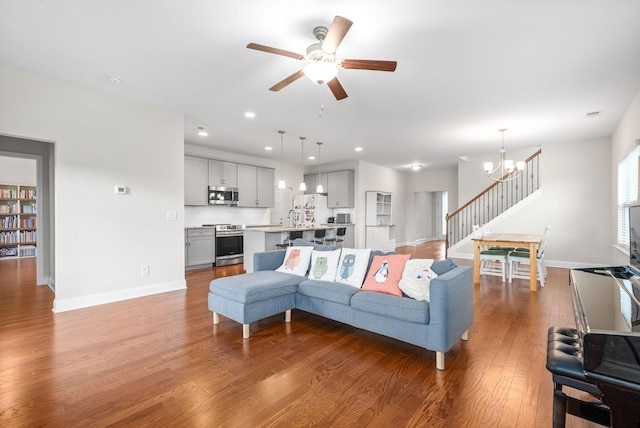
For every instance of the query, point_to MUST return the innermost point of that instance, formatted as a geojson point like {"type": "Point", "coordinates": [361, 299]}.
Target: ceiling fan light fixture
{"type": "Point", "coordinates": [320, 71]}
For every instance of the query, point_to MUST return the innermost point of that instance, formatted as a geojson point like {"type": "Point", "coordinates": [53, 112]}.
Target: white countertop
{"type": "Point", "coordinates": [279, 228]}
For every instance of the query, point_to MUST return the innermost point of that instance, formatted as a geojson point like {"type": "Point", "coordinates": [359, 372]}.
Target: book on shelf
{"type": "Point", "coordinates": [8, 194]}
{"type": "Point", "coordinates": [8, 251]}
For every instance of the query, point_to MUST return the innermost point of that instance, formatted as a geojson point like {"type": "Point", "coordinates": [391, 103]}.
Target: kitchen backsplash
{"type": "Point", "coordinates": [220, 214]}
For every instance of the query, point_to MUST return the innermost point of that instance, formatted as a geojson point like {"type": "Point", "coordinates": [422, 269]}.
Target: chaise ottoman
{"type": "Point", "coordinates": [254, 296]}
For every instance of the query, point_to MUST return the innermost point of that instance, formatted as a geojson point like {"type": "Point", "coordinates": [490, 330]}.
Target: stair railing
{"type": "Point", "coordinates": [493, 201]}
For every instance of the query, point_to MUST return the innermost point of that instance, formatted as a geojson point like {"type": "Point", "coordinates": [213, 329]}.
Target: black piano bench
{"type": "Point", "coordinates": [564, 361]}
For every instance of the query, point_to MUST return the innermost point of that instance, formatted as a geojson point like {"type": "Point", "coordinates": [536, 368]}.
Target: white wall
{"type": "Point", "coordinates": [17, 170]}
{"type": "Point", "coordinates": [101, 141]}
{"type": "Point", "coordinates": [624, 139]}
{"type": "Point", "coordinates": [424, 204]}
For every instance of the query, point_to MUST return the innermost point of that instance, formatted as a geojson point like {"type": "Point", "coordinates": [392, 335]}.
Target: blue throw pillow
{"type": "Point", "coordinates": [441, 267]}
{"type": "Point", "coordinates": [299, 242]}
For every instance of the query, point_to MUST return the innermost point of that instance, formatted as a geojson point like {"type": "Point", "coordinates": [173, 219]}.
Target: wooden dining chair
{"type": "Point", "coordinates": [519, 260]}
{"type": "Point", "coordinates": [493, 260]}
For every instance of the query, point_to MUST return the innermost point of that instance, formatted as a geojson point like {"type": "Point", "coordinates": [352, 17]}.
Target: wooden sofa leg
{"type": "Point", "coordinates": [440, 360]}
{"type": "Point", "coordinates": [465, 335]}
{"type": "Point", "coordinates": [287, 316]}
{"type": "Point", "coordinates": [245, 331]}
{"type": "Point", "coordinates": [216, 318]}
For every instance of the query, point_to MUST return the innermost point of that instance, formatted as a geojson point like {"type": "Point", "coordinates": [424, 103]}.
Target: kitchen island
{"type": "Point", "coordinates": [265, 238]}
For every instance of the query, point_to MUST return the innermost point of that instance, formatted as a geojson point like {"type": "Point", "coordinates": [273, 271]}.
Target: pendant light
{"type": "Point", "coordinates": [303, 185]}
{"type": "Point", "coordinates": [319, 189]}
{"type": "Point", "coordinates": [281, 183]}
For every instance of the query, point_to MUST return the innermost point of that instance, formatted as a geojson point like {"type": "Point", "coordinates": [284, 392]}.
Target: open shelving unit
{"type": "Point", "coordinates": [18, 225]}
{"type": "Point", "coordinates": [380, 232]}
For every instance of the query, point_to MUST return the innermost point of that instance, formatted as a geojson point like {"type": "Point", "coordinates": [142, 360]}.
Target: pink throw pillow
{"type": "Point", "coordinates": [385, 273]}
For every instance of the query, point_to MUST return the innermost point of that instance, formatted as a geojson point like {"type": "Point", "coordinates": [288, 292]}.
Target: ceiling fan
{"type": "Point", "coordinates": [321, 62]}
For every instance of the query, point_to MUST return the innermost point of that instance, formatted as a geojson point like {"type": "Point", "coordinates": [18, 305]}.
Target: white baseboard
{"type": "Point", "coordinates": [63, 305]}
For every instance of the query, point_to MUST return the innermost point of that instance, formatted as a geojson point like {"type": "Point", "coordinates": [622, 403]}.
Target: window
{"type": "Point", "coordinates": [627, 193]}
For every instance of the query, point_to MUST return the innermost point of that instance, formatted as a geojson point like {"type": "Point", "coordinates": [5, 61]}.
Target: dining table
{"type": "Point", "coordinates": [514, 240]}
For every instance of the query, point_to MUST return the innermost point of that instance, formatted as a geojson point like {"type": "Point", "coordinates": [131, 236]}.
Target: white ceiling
{"type": "Point", "coordinates": [465, 69]}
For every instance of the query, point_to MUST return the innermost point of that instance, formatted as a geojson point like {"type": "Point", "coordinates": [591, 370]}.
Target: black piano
{"type": "Point", "coordinates": [606, 304]}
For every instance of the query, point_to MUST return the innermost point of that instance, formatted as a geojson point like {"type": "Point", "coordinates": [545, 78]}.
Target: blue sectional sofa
{"type": "Point", "coordinates": [435, 325]}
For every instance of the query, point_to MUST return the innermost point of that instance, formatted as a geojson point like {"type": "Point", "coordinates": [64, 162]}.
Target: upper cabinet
{"type": "Point", "coordinates": [255, 186]}
{"type": "Point", "coordinates": [338, 185]}
{"type": "Point", "coordinates": [340, 189]}
{"type": "Point", "coordinates": [223, 174]}
{"type": "Point", "coordinates": [195, 181]}
{"type": "Point", "coordinates": [312, 181]}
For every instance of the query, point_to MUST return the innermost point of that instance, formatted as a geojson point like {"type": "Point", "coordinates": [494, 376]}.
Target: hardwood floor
{"type": "Point", "coordinates": [159, 361]}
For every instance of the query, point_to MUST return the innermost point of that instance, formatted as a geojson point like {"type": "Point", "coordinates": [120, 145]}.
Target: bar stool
{"type": "Point", "coordinates": [319, 236]}
{"type": "Point", "coordinates": [339, 236]}
{"type": "Point", "coordinates": [293, 235]}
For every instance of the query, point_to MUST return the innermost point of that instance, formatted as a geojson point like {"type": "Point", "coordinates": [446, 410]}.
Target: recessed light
{"type": "Point", "coordinates": [358, 149]}
{"type": "Point", "coordinates": [268, 148]}
{"type": "Point", "coordinates": [201, 131]}
{"type": "Point", "coordinates": [416, 167]}
{"type": "Point", "coordinates": [312, 157]}
{"type": "Point", "coordinates": [115, 79]}
{"type": "Point", "coordinates": [250, 115]}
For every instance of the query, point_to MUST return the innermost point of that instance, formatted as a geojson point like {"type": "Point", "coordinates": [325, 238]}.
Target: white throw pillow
{"type": "Point", "coordinates": [416, 278]}
{"type": "Point", "coordinates": [296, 260]}
{"type": "Point", "coordinates": [352, 266]}
{"type": "Point", "coordinates": [324, 265]}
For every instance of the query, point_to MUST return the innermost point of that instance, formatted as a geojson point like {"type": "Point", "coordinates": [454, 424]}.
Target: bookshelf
{"type": "Point", "coordinates": [18, 224]}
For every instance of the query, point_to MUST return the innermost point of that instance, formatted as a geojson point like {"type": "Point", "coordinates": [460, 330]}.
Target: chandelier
{"type": "Point", "coordinates": [506, 168]}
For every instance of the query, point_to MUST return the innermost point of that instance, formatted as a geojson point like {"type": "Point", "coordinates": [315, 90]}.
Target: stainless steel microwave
{"type": "Point", "coordinates": [343, 218]}
{"type": "Point", "coordinates": [223, 195]}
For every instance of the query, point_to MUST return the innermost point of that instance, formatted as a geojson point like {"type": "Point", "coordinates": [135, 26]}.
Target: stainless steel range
{"type": "Point", "coordinates": [229, 244]}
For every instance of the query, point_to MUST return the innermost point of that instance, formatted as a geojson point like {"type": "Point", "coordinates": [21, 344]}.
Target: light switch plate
{"type": "Point", "coordinates": [172, 216]}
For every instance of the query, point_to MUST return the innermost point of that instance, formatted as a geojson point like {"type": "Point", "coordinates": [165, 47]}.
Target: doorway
{"type": "Point", "coordinates": [431, 225]}
{"type": "Point", "coordinates": [42, 153]}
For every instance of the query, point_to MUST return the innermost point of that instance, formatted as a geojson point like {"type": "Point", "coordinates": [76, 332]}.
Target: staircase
{"type": "Point", "coordinates": [493, 201]}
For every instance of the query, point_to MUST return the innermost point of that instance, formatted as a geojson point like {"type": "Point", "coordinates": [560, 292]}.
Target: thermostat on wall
{"type": "Point", "coordinates": [121, 190]}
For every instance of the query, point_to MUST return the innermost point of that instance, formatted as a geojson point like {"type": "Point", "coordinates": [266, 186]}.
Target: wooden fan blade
{"type": "Point", "coordinates": [369, 64]}
{"type": "Point", "coordinates": [337, 89]}
{"type": "Point", "coordinates": [284, 82]}
{"type": "Point", "coordinates": [276, 51]}
{"type": "Point", "coordinates": [336, 33]}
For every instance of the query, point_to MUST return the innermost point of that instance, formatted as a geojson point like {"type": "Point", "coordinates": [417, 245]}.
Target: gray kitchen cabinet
{"type": "Point", "coordinates": [195, 181]}
{"type": "Point", "coordinates": [339, 190]}
{"type": "Point", "coordinates": [311, 181]}
{"type": "Point", "coordinates": [223, 174]}
{"type": "Point", "coordinates": [255, 186]}
{"type": "Point", "coordinates": [200, 247]}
